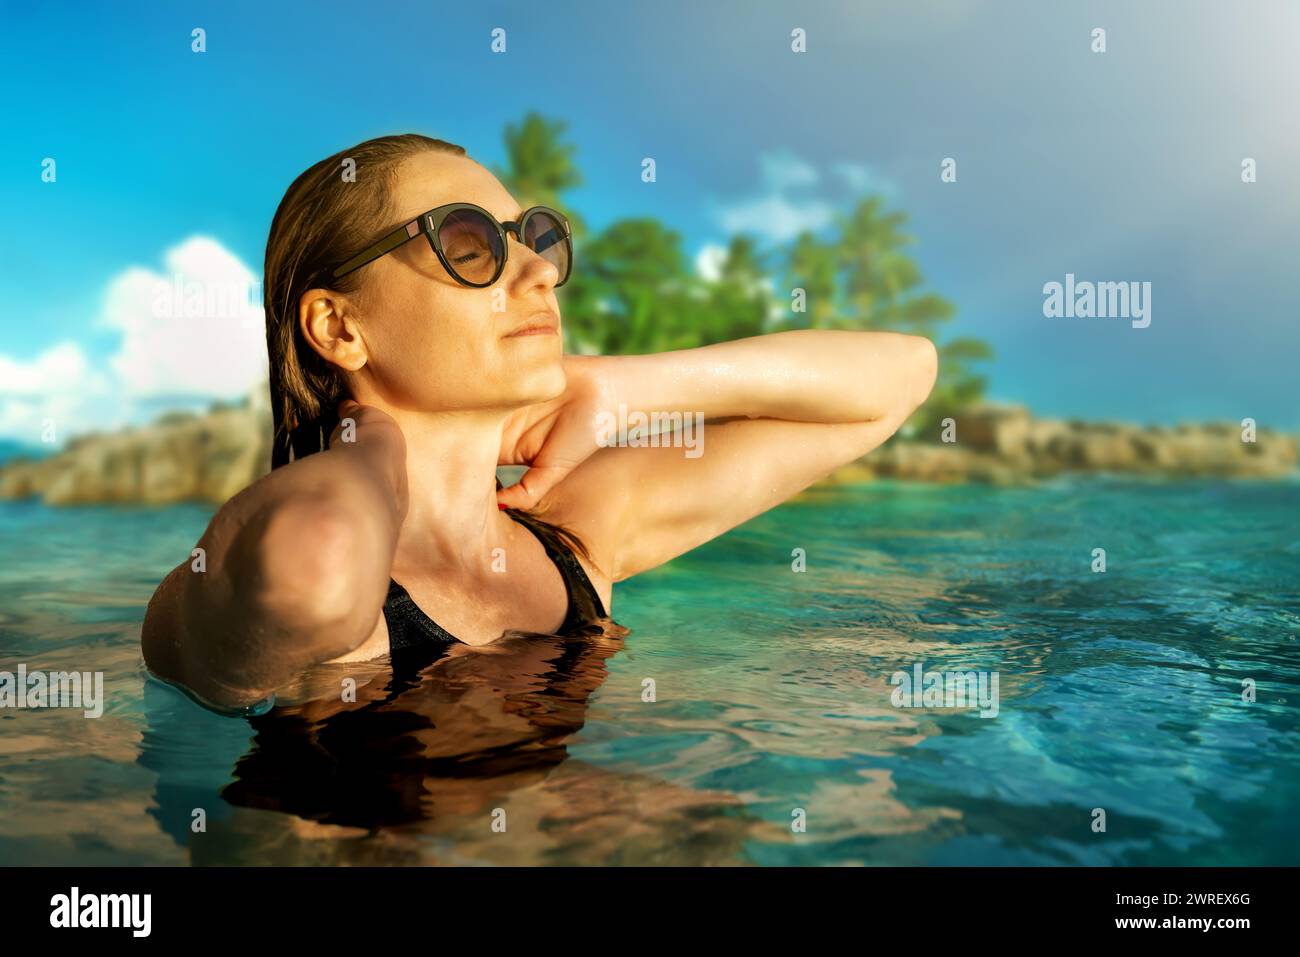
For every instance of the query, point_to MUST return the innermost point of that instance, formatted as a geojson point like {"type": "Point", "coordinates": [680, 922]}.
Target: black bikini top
{"type": "Point", "coordinates": [409, 627]}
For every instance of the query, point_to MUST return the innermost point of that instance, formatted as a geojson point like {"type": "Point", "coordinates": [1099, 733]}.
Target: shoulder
{"type": "Point", "coordinates": [162, 629]}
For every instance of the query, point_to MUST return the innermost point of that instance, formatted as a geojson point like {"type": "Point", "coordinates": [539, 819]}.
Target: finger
{"type": "Point", "coordinates": [531, 488]}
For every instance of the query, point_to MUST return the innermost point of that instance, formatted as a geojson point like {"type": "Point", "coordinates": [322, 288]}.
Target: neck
{"type": "Point", "coordinates": [452, 519]}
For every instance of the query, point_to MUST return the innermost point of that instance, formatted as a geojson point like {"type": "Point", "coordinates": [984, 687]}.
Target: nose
{"type": "Point", "coordinates": [551, 267]}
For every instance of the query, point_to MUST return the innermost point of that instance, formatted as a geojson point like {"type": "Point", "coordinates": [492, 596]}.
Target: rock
{"type": "Point", "coordinates": [180, 457]}
{"type": "Point", "coordinates": [1153, 451]}
{"type": "Point", "coordinates": [1104, 451]}
{"type": "Point", "coordinates": [1005, 445]}
{"type": "Point", "coordinates": [1001, 429]}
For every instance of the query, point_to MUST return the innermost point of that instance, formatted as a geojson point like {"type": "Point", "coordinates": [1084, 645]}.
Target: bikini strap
{"type": "Point", "coordinates": [585, 605]}
{"type": "Point", "coordinates": [408, 625]}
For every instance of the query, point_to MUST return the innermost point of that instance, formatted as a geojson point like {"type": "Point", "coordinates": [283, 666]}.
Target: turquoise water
{"type": "Point", "coordinates": [1119, 691]}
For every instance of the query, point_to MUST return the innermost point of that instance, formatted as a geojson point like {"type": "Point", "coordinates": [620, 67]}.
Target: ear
{"type": "Point", "coordinates": [326, 322]}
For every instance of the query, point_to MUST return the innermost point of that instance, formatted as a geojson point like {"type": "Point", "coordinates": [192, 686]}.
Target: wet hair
{"type": "Point", "coordinates": [321, 221]}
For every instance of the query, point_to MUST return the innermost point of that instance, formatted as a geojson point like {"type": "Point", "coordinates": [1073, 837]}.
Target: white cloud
{"type": "Point", "coordinates": [61, 368]}
{"type": "Point", "coordinates": [790, 200]}
{"type": "Point", "coordinates": [709, 260]}
{"type": "Point", "coordinates": [60, 387]}
{"type": "Point", "coordinates": [861, 180]}
{"type": "Point", "coordinates": [784, 170]}
{"type": "Point", "coordinates": [775, 217]}
{"type": "Point", "coordinates": [190, 329]}
{"type": "Point", "coordinates": [191, 333]}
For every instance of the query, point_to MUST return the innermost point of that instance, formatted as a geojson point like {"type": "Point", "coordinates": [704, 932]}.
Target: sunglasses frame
{"type": "Point", "coordinates": [430, 223]}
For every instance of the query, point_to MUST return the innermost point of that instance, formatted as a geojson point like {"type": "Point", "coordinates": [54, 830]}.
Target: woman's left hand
{"type": "Point", "coordinates": [552, 438]}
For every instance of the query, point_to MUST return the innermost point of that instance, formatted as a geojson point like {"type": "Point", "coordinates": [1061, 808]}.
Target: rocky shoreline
{"type": "Point", "coordinates": [181, 457]}
{"type": "Point", "coordinates": [1006, 445]}
{"type": "Point", "coordinates": [209, 457]}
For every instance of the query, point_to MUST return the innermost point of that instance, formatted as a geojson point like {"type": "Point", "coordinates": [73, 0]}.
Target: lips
{"type": "Point", "coordinates": [538, 324]}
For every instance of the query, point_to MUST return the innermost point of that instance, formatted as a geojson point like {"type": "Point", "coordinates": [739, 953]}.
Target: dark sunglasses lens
{"type": "Point", "coordinates": [471, 244]}
{"type": "Point", "coordinates": [544, 235]}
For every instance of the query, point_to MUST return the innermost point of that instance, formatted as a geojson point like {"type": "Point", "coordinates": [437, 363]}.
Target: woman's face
{"type": "Point", "coordinates": [434, 345]}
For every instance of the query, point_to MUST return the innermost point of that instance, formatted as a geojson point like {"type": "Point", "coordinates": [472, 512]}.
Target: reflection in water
{"type": "Point", "coordinates": [437, 734]}
{"type": "Point", "coordinates": [415, 769]}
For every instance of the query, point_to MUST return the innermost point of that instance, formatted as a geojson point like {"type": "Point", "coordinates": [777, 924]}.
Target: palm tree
{"type": "Point", "coordinates": [633, 293]}
{"type": "Point", "coordinates": [813, 266]}
{"type": "Point", "coordinates": [883, 290]}
{"type": "Point", "coordinates": [633, 290]}
{"type": "Point", "coordinates": [740, 301]}
{"type": "Point", "coordinates": [540, 166]}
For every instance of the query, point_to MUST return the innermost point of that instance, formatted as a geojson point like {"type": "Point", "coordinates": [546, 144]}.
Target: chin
{"type": "Point", "coordinates": [542, 380]}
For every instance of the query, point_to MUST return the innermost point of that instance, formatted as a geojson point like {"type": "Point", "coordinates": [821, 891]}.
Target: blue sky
{"type": "Point", "coordinates": [1117, 166]}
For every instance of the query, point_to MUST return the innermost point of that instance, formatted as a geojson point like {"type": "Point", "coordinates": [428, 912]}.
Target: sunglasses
{"type": "Point", "coordinates": [471, 243]}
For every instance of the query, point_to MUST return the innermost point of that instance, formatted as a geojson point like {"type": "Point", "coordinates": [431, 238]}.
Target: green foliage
{"type": "Point", "coordinates": [633, 290]}
{"type": "Point", "coordinates": [540, 166]}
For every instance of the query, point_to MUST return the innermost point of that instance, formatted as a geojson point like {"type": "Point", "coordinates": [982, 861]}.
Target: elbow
{"type": "Point", "coordinates": [283, 597]}
{"type": "Point", "coordinates": [922, 372]}
{"type": "Point", "coordinates": [310, 576]}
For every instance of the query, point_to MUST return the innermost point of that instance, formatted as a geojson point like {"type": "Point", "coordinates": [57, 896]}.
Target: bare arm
{"type": "Point", "coordinates": [793, 407]}
{"type": "Point", "coordinates": [297, 568]}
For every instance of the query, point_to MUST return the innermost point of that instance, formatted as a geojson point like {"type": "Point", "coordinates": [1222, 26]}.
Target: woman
{"type": "Point", "coordinates": [404, 372]}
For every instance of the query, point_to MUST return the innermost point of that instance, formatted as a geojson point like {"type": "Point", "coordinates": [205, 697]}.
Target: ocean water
{"type": "Point", "coordinates": [748, 717]}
